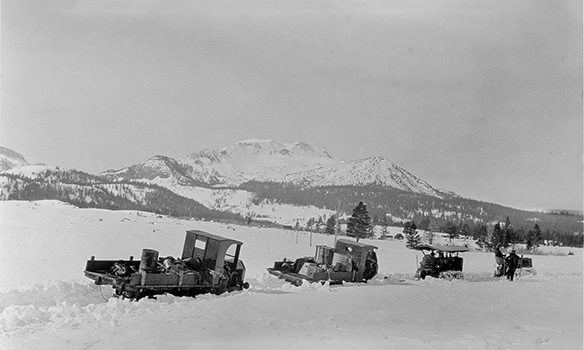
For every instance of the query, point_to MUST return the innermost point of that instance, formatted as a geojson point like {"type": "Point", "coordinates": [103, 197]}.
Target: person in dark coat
{"type": "Point", "coordinates": [440, 260]}
{"type": "Point", "coordinates": [512, 262]}
{"type": "Point", "coordinates": [428, 266]}
{"type": "Point", "coordinates": [429, 261]}
{"type": "Point", "coordinates": [500, 261]}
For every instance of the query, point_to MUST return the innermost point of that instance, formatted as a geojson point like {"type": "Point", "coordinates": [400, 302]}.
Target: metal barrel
{"type": "Point", "coordinates": [149, 260]}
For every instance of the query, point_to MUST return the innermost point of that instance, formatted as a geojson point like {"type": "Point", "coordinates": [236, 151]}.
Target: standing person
{"type": "Point", "coordinates": [512, 261]}
{"type": "Point", "coordinates": [428, 266]}
{"type": "Point", "coordinates": [440, 261]}
{"type": "Point", "coordinates": [500, 261]}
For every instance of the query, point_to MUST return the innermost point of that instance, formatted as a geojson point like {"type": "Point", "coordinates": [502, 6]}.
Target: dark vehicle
{"type": "Point", "coordinates": [348, 261]}
{"type": "Point", "coordinates": [441, 261]}
{"type": "Point", "coordinates": [208, 264]}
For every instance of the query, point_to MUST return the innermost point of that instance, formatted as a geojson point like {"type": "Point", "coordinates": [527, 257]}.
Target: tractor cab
{"type": "Point", "coordinates": [440, 261]}
{"type": "Point", "coordinates": [219, 255]}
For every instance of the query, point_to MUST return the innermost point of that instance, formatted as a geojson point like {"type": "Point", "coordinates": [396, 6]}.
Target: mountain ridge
{"type": "Point", "coordinates": [10, 159]}
{"type": "Point", "coordinates": [303, 183]}
{"type": "Point", "coordinates": [297, 163]}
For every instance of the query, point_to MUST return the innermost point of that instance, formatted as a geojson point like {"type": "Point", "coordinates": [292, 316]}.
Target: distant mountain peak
{"type": "Point", "coordinates": [253, 159]}
{"type": "Point", "coordinates": [10, 159]}
{"type": "Point", "coordinates": [368, 171]}
{"type": "Point", "coordinates": [267, 160]}
{"type": "Point", "coordinates": [257, 142]}
{"type": "Point", "coordinates": [276, 147]}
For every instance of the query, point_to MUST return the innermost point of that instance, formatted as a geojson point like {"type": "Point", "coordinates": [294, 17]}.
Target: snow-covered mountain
{"type": "Point", "coordinates": [272, 161]}
{"type": "Point", "coordinates": [156, 167]}
{"type": "Point", "coordinates": [361, 172]}
{"type": "Point", "coordinates": [263, 180]}
{"type": "Point", "coordinates": [260, 160]}
{"type": "Point", "coordinates": [10, 159]}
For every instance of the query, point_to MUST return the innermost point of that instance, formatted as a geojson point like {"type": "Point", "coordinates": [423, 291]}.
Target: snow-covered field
{"type": "Point", "coordinates": [47, 303]}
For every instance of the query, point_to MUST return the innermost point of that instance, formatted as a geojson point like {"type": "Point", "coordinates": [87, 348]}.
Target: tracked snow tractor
{"type": "Point", "coordinates": [348, 261]}
{"type": "Point", "coordinates": [440, 262]}
{"type": "Point", "coordinates": [208, 264]}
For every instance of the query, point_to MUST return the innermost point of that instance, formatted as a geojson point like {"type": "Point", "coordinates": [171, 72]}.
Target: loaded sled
{"type": "Point", "coordinates": [209, 264]}
{"type": "Point", "coordinates": [348, 261]}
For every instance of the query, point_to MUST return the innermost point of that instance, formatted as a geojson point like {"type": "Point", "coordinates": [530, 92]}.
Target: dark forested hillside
{"type": "Point", "coordinates": [410, 206]}
{"type": "Point", "coordinates": [385, 204]}
{"type": "Point", "coordinates": [89, 191]}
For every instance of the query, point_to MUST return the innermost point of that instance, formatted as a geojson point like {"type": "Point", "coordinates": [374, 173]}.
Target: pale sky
{"type": "Point", "coordinates": [483, 98]}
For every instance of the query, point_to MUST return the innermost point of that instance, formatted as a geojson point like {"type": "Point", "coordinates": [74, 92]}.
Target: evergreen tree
{"type": "Point", "coordinates": [424, 224]}
{"type": "Point", "coordinates": [481, 234]}
{"type": "Point", "coordinates": [411, 235]}
{"type": "Point", "coordinates": [309, 224]}
{"type": "Point", "coordinates": [451, 229]}
{"type": "Point", "coordinates": [537, 236]}
{"type": "Point", "coordinates": [509, 234]}
{"type": "Point", "coordinates": [534, 238]}
{"type": "Point", "coordinates": [359, 224]}
{"type": "Point", "coordinates": [464, 230]}
{"type": "Point", "coordinates": [518, 235]}
{"type": "Point", "coordinates": [498, 239]}
{"type": "Point", "coordinates": [331, 224]}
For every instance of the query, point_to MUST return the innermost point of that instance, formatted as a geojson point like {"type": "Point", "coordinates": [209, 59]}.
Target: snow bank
{"type": "Point", "coordinates": [63, 305]}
